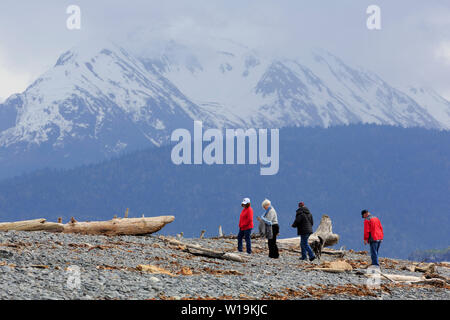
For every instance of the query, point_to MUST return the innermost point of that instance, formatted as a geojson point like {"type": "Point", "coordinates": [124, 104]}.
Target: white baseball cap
{"type": "Point", "coordinates": [246, 200]}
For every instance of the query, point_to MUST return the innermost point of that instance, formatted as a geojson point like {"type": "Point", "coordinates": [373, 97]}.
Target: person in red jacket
{"type": "Point", "coordinates": [245, 226]}
{"type": "Point", "coordinates": [373, 234]}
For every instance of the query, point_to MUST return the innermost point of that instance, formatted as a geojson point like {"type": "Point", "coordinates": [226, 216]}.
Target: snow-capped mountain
{"type": "Point", "coordinates": [103, 99]}
{"type": "Point", "coordinates": [107, 95]}
{"type": "Point", "coordinates": [316, 90]}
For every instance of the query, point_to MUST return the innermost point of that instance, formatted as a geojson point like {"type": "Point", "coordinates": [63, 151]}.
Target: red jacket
{"type": "Point", "coordinates": [373, 230]}
{"type": "Point", "coordinates": [246, 219]}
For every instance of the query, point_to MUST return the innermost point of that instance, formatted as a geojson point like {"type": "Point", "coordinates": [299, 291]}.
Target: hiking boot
{"type": "Point", "coordinates": [312, 259]}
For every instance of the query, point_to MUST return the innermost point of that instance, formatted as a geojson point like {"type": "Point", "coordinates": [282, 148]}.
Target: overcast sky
{"type": "Point", "coordinates": [412, 47]}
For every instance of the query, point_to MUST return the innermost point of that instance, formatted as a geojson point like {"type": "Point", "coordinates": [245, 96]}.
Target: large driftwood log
{"type": "Point", "coordinates": [127, 226]}
{"type": "Point", "coordinates": [198, 250]}
{"type": "Point", "coordinates": [114, 227]}
{"type": "Point", "coordinates": [322, 237]}
{"type": "Point", "coordinates": [32, 225]}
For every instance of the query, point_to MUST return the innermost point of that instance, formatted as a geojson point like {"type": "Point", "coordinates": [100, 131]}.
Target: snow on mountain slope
{"type": "Point", "coordinates": [317, 89]}
{"type": "Point", "coordinates": [367, 96]}
{"type": "Point", "coordinates": [115, 100]}
{"type": "Point", "coordinates": [435, 104]}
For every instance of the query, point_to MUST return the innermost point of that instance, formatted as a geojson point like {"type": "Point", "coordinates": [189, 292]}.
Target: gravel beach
{"type": "Point", "coordinates": [40, 265]}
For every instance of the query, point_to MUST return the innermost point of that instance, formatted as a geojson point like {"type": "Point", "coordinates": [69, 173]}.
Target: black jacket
{"type": "Point", "coordinates": [303, 221]}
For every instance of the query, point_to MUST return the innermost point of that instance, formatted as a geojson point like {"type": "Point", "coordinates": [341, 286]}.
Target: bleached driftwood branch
{"type": "Point", "coordinates": [127, 226]}
{"type": "Point", "coordinates": [198, 250]}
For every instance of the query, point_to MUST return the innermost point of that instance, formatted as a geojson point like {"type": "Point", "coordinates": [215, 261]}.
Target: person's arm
{"type": "Point", "coordinates": [382, 232]}
{"type": "Point", "coordinates": [294, 224]}
{"type": "Point", "coordinates": [266, 221]}
{"type": "Point", "coordinates": [366, 231]}
{"type": "Point", "coordinates": [250, 216]}
{"type": "Point", "coordinates": [240, 221]}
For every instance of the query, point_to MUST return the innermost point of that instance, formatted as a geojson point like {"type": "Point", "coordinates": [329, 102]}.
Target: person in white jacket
{"type": "Point", "coordinates": [269, 217]}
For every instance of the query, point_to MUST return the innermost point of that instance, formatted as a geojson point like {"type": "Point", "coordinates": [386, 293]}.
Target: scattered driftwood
{"type": "Point", "coordinates": [401, 278]}
{"type": "Point", "coordinates": [198, 250]}
{"type": "Point", "coordinates": [335, 267]}
{"type": "Point", "coordinates": [127, 226]}
{"type": "Point", "coordinates": [323, 237]}
{"type": "Point", "coordinates": [234, 236]}
{"type": "Point", "coordinates": [153, 269]}
{"type": "Point", "coordinates": [434, 280]}
{"type": "Point", "coordinates": [422, 267]}
{"type": "Point", "coordinates": [32, 225]}
{"type": "Point", "coordinates": [337, 253]}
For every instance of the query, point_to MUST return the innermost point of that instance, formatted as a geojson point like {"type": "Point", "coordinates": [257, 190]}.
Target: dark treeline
{"type": "Point", "coordinates": [432, 255]}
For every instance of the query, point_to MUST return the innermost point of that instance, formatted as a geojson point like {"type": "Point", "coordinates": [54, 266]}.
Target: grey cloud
{"type": "Point", "coordinates": [33, 33]}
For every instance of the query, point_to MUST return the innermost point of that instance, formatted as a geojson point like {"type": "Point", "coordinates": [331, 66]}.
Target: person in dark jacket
{"type": "Point", "coordinates": [373, 234]}
{"type": "Point", "coordinates": [304, 222]}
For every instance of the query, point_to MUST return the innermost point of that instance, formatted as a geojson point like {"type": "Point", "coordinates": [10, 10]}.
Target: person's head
{"type": "Point", "coordinates": [245, 203]}
{"type": "Point", "coordinates": [301, 204]}
{"type": "Point", "coordinates": [365, 213]}
{"type": "Point", "coordinates": [266, 204]}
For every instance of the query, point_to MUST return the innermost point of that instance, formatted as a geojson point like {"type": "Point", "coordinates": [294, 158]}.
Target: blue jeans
{"type": "Point", "coordinates": [305, 246]}
{"type": "Point", "coordinates": [374, 247]}
{"type": "Point", "coordinates": [245, 234]}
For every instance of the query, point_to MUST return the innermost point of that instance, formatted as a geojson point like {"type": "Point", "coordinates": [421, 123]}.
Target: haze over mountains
{"type": "Point", "coordinates": [102, 100]}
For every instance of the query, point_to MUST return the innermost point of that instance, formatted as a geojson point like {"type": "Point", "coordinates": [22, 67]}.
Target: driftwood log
{"type": "Point", "coordinates": [322, 237]}
{"type": "Point", "coordinates": [127, 226]}
{"type": "Point", "coordinates": [32, 225]}
{"type": "Point", "coordinates": [198, 250]}
{"type": "Point", "coordinates": [114, 227]}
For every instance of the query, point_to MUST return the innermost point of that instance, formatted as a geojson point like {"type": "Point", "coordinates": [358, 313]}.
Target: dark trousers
{"type": "Point", "coordinates": [305, 246]}
{"type": "Point", "coordinates": [273, 248]}
{"type": "Point", "coordinates": [248, 244]}
{"type": "Point", "coordinates": [374, 247]}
